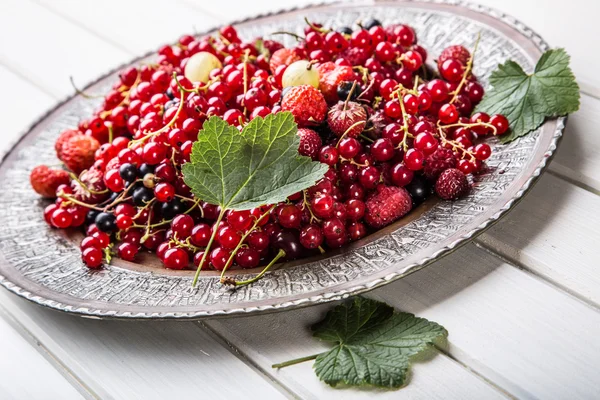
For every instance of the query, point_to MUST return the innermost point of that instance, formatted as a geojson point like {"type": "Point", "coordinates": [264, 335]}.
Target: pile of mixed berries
{"type": "Point", "coordinates": [392, 130]}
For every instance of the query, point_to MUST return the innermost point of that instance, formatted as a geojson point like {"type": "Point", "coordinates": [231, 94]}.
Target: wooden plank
{"type": "Point", "coordinates": [554, 233]}
{"type": "Point", "coordinates": [269, 339]}
{"type": "Point", "coordinates": [141, 360]}
{"type": "Point", "coordinates": [517, 331]}
{"type": "Point", "coordinates": [25, 373]}
{"type": "Point", "coordinates": [134, 29]}
{"type": "Point", "coordinates": [578, 156]}
{"type": "Point", "coordinates": [46, 49]}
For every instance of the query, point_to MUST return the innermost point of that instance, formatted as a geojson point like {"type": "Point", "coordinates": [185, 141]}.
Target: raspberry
{"type": "Point", "coordinates": [310, 143]}
{"type": "Point", "coordinates": [439, 161]}
{"type": "Point", "coordinates": [63, 138]}
{"type": "Point", "coordinates": [330, 76]}
{"type": "Point", "coordinates": [45, 180]}
{"type": "Point", "coordinates": [306, 104]}
{"type": "Point", "coordinates": [343, 116]}
{"type": "Point", "coordinates": [93, 179]}
{"type": "Point", "coordinates": [456, 52]}
{"type": "Point", "coordinates": [284, 57]}
{"type": "Point", "coordinates": [452, 184]}
{"type": "Point", "coordinates": [78, 152]}
{"type": "Point", "coordinates": [387, 205]}
{"type": "Point", "coordinates": [355, 55]}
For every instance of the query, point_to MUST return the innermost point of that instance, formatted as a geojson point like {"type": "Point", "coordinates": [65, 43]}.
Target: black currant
{"type": "Point", "coordinates": [106, 222]}
{"type": "Point", "coordinates": [90, 217]}
{"type": "Point", "coordinates": [344, 88]}
{"type": "Point", "coordinates": [145, 169]}
{"type": "Point", "coordinates": [371, 22]}
{"type": "Point", "coordinates": [418, 189]}
{"type": "Point", "coordinates": [128, 172]}
{"type": "Point", "coordinates": [288, 241]}
{"type": "Point", "coordinates": [142, 195]}
{"type": "Point", "coordinates": [113, 196]}
{"type": "Point", "coordinates": [345, 30]}
{"type": "Point", "coordinates": [171, 209]}
{"type": "Point", "coordinates": [169, 94]}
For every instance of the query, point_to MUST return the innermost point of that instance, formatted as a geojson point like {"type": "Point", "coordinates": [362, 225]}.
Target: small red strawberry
{"type": "Point", "coordinates": [457, 52]}
{"type": "Point", "coordinates": [78, 153]}
{"type": "Point", "coordinates": [387, 205]}
{"type": "Point", "coordinates": [306, 103]}
{"type": "Point", "coordinates": [284, 56]}
{"type": "Point", "coordinates": [310, 143]}
{"type": "Point", "coordinates": [330, 76]}
{"type": "Point", "coordinates": [347, 117]}
{"type": "Point", "coordinates": [63, 138]}
{"type": "Point", "coordinates": [451, 184]}
{"type": "Point", "coordinates": [439, 161]}
{"type": "Point", "coordinates": [94, 189]}
{"type": "Point", "coordinates": [45, 180]}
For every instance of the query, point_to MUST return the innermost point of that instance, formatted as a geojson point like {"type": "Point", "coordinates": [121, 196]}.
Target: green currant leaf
{"type": "Point", "coordinates": [374, 345]}
{"type": "Point", "coordinates": [260, 165]}
{"type": "Point", "coordinates": [528, 99]}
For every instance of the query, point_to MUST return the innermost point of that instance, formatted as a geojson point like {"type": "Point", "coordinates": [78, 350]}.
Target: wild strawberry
{"type": "Point", "coordinates": [310, 143]}
{"type": "Point", "coordinates": [451, 184]}
{"type": "Point", "coordinates": [439, 161]}
{"type": "Point", "coordinates": [330, 76]}
{"type": "Point", "coordinates": [306, 104]}
{"type": "Point", "coordinates": [387, 205]}
{"type": "Point", "coordinates": [349, 118]}
{"type": "Point", "coordinates": [284, 56]}
{"type": "Point", "coordinates": [45, 180]}
{"type": "Point", "coordinates": [456, 52]}
{"type": "Point", "coordinates": [63, 138]}
{"type": "Point", "coordinates": [78, 152]}
{"type": "Point", "coordinates": [93, 189]}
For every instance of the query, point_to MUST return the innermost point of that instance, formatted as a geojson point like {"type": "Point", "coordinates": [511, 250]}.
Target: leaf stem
{"type": "Point", "coordinates": [294, 361]}
{"type": "Point", "coordinates": [208, 246]}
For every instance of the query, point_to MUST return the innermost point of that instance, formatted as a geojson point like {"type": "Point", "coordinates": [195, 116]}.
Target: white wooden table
{"type": "Point", "coordinates": [521, 303]}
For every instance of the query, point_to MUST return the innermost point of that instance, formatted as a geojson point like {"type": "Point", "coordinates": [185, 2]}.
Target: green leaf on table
{"type": "Point", "coordinates": [528, 99]}
{"type": "Point", "coordinates": [242, 170]}
{"type": "Point", "coordinates": [373, 345]}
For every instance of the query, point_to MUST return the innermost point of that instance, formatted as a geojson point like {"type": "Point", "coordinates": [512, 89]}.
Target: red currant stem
{"type": "Point", "coordinates": [224, 39]}
{"type": "Point", "coordinates": [82, 93]}
{"type": "Point", "coordinates": [321, 249]}
{"type": "Point", "coordinates": [404, 125]}
{"type": "Point", "coordinates": [368, 139]}
{"type": "Point", "coordinates": [279, 255]}
{"type": "Point", "coordinates": [455, 146]}
{"type": "Point", "coordinates": [316, 28]}
{"type": "Point", "coordinates": [354, 125]}
{"type": "Point", "coordinates": [479, 123]}
{"type": "Point", "coordinates": [295, 361]}
{"type": "Point", "coordinates": [78, 202]}
{"type": "Point", "coordinates": [110, 133]}
{"type": "Point", "coordinates": [364, 73]}
{"type": "Point", "coordinates": [125, 99]}
{"type": "Point", "coordinates": [122, 196]}
{"type": "Point", "coordinates": [468, 68]}
{"type": "Point", "coordinates": [246, 76]}
{"type": "Point", "coordinates": [349, 96]}
{"type": "Point", "coordinates": [185, 198]}
{"type": "Point", "coordinates": [359, 97]}
{"type": "Point", "coordinates": [185, 244]}
{"type": "Point", "coordinates": [107, 253]}
{"type": "Point", "coordinates": [84, 186]}
{"type": "Point", "coordinates": [306, 204]}
{"type": "Point", "coordinates": [208, 246]}
{"type": "Point", "coordinates": [147, 205]}
{"type": "Point", "coordinates": [297, 37]}
{"type": "Point", "coordinates": [211, 42]}
{"type": "Point", "coordinates": [248, 232]}
{"type": "Point", "coordinates": [149, 135]}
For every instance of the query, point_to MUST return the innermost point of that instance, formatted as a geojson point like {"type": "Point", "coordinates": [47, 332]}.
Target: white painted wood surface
{"type": "Point", "coordinates": [523, 319]}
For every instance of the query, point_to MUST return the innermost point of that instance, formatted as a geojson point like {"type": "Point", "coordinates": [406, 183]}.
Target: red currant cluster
{"type": "Point", "coordinates": [373, 111]}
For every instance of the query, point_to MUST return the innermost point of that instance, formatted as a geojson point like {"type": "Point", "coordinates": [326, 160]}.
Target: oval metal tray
{"type": "Point", "coordinates": [44, 265]}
